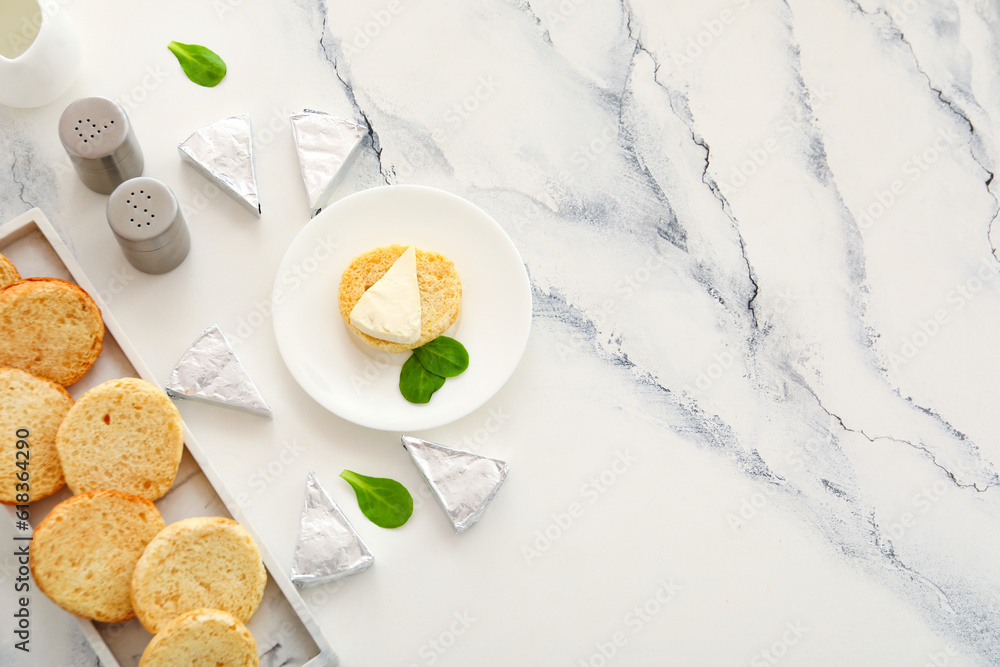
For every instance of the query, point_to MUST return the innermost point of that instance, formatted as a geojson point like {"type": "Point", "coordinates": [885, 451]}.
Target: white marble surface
{"type": "Point", "coordinates": [754, 423]}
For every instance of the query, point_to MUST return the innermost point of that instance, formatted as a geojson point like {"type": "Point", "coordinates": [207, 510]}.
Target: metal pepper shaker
{"type": "Point", "coordinates": [98, 137]}
{"type": "Point", "coordinates": [147, 223]}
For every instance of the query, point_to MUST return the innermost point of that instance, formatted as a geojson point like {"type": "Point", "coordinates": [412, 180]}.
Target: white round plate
{"type": "Point", "coordinates": [361, 384]}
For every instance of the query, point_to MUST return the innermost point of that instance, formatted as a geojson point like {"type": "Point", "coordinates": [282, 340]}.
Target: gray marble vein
{"type": "Point", "coordinates": [761, 241]}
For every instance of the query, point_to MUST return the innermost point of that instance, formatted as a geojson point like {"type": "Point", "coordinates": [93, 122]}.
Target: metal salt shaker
{"type": "Point", "coordinates": [147, 223]}
{"type": "Point", "coordinates": [99, 140]}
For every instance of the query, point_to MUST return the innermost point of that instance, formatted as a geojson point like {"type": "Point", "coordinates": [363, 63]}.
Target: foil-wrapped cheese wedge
{"type": "Point", "coordinates": [464, 483]}
{"type": "Point", "coordinates": [328, 547]}
{"type": "Point", "coordinates": [223, 153]}
{"type": "Point", "coordinates": [325, 144]}
{"type": "Point", "coordinates": [210, 371]}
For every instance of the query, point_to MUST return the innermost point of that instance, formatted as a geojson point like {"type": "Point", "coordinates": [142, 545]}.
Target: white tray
{"type": "Point", "coordinates": [285, 630]}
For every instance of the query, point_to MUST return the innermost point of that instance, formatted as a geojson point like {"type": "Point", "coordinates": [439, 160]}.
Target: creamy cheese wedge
{"type": "Point", "coordinates": [390, 309]}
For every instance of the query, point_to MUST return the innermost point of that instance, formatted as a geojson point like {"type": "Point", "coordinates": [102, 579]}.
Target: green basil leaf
{"type": "Point", "coordinates": [201, 65]}
{"type": "Point", "coordinates": [443, 356]}
{"type": "Point", "coordinates": [384, 501]}
{"type": "Point", "coordinates": [416, 383]}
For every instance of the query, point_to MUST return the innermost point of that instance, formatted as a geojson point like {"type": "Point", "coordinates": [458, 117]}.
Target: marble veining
{"type": "Point", "coordinates": [762, 247]}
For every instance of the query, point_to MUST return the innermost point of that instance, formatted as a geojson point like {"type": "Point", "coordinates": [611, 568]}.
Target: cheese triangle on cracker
{"type": "Point", "coordinates": [390, 309]}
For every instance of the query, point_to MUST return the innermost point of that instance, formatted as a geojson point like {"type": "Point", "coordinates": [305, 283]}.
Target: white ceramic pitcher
{"type": "Point", "coordinates": [39, 52]}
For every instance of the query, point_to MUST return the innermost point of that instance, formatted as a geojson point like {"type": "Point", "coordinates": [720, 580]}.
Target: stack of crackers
{"type": "Point", "coordinates": [105, 554]}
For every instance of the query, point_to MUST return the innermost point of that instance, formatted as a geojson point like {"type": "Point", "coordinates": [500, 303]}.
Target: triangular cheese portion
{"type": "Point", "coordinates": [390, 309]}
{"type": "Point", "coordinates": [325, 144]}
{"type": "Point", "coordinates": [210, 371]}
{"type": "Point", "coordinates": [328, 547]}
{"type": "Point", "coordinates": [463, 483]}
{"type": "Point", "coordinates": [223, 153]}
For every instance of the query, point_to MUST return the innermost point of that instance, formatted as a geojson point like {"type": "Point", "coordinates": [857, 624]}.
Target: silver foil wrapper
{"type": "Point", "coordinates": [223, 153]}
{"type": "Point", "coordinates": [328, 547]}
{"type": "Point", "coordinates": [210, 371]}
{"type": "Point", "coordinates": [326, 144]}
{"type": "Point", "coordinates": [463, 483]}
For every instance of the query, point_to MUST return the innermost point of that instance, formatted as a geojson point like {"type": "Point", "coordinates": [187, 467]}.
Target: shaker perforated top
{"type": "Point", "coordinates": [95, 128]}
{"type": "Point", "coordinates": [141, 213]}
{"type": "Point", "coordinates": [98, 137]}
{"type": "Point", "coordinates": [146, 220]}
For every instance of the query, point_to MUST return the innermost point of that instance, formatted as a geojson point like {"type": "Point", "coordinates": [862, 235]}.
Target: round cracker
{"type": "Point", "coordinates": [440, 292]}
{"type": "Point", "coordinates": [198, 562]}
{"type": "Point", "coordinates": [8, 272]}
{"type": "Point", "coordinates": [202, 638]}
{"type": "Point", "coordinates": [83, 553]}
{"type": "Point", "coordinates": [123, 434]}
{"type": "Point", "coordinates": [31, 410]}
{"type": "Point", "coordinates": [50, 328]}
